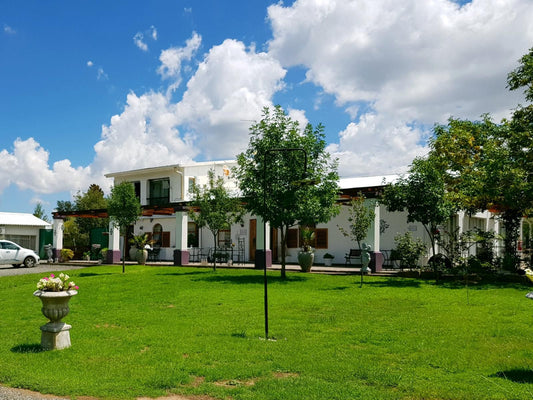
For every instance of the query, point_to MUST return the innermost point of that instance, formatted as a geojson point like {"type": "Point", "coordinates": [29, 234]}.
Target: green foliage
{"type": "Point", "coordinates": [409, 250]}
{"type": "Point", "coordinates": [140, 241]}
{"type": "Point", "coordinates": [66, 254]}
{"type": "Point", "coordinates": [93, 199]}
{"type": "Point", "coordinates": [360, 220]}
{"type": "Point", "coordinates": [414, 340]}
{"type": "Point", "coordinates": [522, 76]}
{"type": "Point", "coordinates": [124, 209]}
{"type": "Point", "coordinates": [274, 180]}
{"type": "Point", "coordinates": [39, 212]}
{"type": "Point", "coordinates": [123, 206]}
{"type": "Point", "coordinates": [422, 193]}
{"type": "Point", "coordinates": [214, 207]}
{"type": "Point", "coordinates": [308, 236]}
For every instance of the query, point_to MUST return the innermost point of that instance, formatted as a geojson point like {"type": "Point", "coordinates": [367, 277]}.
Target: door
{"type": "Point", "coordinates": [274, 243]}
{"type": "Point", "coordinates": [253, 238]}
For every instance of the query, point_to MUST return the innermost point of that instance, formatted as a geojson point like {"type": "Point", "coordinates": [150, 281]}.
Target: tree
{"type": "Point", "coordinates": [124, 210]}
{"type": "Point", "coordinates": [213, 206]}
{"type": "Point", "coordinates": [360, 218]}
{"type": "Point", "coordinates": [93, 199]}
{"type": "Point", "coordinates": [276, 170]}
{"type": "Point", "coordinates": [422, 193]}
{"type": "Point", "coordinates": [40, 213]}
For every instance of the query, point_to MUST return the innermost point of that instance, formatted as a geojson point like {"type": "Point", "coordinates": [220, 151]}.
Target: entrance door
{"type": "Point", "coordinates": [253, 238]}
{"type": "Point", "coordinates": [274, 243]}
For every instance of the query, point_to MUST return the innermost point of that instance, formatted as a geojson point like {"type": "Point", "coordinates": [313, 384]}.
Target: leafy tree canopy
{"type": "Point", "coordinates": [276, 171]}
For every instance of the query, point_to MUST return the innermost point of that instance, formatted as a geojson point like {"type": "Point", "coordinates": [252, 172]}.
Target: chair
{"type": "Point", "coordinates": [153, 254]}
{"type": "Point", "coordinates": [354, 254]}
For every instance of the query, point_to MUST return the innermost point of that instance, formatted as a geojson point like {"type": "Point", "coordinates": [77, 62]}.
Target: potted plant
{"type": "Point", "coordinates": [142, 244]}
{"type": "Point", "coordinates": [328, 259]}
{"type": "Point", "coordinates": [87, 256]}
{"type": "Point", "coordinates": [55, 293]}
{"type": "Point", "coordinates": [306, 256]}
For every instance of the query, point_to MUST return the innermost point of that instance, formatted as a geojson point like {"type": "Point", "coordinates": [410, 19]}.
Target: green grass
{"type": "Point", "coordinates": [155, 331]}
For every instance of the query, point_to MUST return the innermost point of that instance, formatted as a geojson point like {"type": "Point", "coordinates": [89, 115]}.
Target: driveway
{"type": "Point", "coordinates": [44, 268]}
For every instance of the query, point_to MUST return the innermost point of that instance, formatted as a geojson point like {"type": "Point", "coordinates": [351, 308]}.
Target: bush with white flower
{"type": "Point", "coordinates": [56, 284]}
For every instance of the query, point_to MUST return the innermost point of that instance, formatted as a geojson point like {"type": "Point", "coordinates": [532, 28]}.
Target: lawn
{"type": "Point", "coordinates": [159, 330]}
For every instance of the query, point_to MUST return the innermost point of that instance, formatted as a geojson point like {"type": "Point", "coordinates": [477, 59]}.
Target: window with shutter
{"type": "Point", "coordinates": [292, 238]}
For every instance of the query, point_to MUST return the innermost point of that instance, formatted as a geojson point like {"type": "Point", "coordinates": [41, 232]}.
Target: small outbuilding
{"type": "Point", "coordinates": [26, 230]}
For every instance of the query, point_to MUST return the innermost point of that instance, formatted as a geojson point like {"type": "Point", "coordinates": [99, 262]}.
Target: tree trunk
{"type": "Point", "coordinates": [284, 230]}
{"type": "Point", "coordinates": [215, 252]}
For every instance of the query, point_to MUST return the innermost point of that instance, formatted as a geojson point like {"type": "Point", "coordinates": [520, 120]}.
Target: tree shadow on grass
{"type": "Point", "coordinates": [250, 279]}
{"type": "Point", "coordinates": [518, 375]}
{"type": "Point", "coordinates": [89, 274]}
{"type": "Point", "coordinates": [393, 282]}
{"type": "Point", "coordinates": [184, 273]}
{"type": "Point", "coordinates": [27, 348]}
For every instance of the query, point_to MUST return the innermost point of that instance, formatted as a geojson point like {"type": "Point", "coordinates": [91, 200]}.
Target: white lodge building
{"type": "Point", "coordinates": [164, 193]}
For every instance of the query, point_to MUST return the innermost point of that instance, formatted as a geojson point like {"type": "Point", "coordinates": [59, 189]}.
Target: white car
{"type": "Point", "coordinates": [12, 253]}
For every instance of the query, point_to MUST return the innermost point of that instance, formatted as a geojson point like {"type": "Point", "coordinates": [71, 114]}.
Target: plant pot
{"type": "Point", "coordinates": [306, 259]}
{"type": "Point", "coordinates": [142, 256]}
{"type": "Point", "coordinates": [133, 253]}
{"type": "Point", "coordinates": [328, 261]}
{"type": "Point", "coordinates": [55, 334]}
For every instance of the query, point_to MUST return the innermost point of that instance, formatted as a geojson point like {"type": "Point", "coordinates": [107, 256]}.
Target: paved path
{"type": "Point", "coordinates": [8, 270]}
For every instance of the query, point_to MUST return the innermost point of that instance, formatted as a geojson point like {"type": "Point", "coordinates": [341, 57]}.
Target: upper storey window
{"type": "Point", "coordinates": [159, 192]}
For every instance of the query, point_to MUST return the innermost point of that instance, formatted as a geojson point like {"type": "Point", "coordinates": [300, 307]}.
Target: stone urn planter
{"type": "Point", "coordinates": [55, 334]}
{"type": "Point", "coordinates": [142, 256]}
{"type": "Point", "coordinates": [306, 259]}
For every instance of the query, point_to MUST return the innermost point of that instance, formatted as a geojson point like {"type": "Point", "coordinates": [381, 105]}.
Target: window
{"type": "Point", "coordinates": [320, 242]}
{"type": "Point", "coordinates": [160, 238]}
{"type": "Point", "coordinates": [292, 238]}
{"type": "Point", "coordinates": [192, 182]}
{"type": "Point", "coordinates": [192, 234]}
{"type": "Point", "coordinates": [25, 241]}
{"type": "Point", "coordinates": [137, 187]}
{"type": "Point", "coordinates": [159, 192]}
{"type": "Point", "coordinates": [224, 238]}
{"type": "Point", "coordinates": [157, 235]}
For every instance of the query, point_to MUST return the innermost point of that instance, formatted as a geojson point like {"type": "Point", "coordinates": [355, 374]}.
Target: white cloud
{"type": "Point", "coordinates": [138, 39]}
{"type": "Point", "coordinates": [409, 62]}
{"type": "Point", "coordinates": [377, 143]}
{"type": "Point", "coordinates": [9, 30]}
{"type": "Point", "coordinates": [90, 63]}
{"type": "Point", "coordinates": [144, 134]}
{"type": "Point", "coordinates": [173, 58]}
{"type": "Point", "coordinates": [228, 91]}
{"type": "Point", "coordinates": [27, 167]}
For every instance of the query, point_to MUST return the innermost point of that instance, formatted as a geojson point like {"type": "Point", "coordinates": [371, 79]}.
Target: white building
{"type": "Point", "coordinates": [26, 230]}
{"type": "Point", "coordinates": [164, 192]}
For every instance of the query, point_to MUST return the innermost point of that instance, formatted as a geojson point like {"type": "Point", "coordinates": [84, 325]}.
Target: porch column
{"type": "Point", "coordinates": [57, 241]}
{"type": "Point", "coordinates": [181, 254]}
{"type": "Point", "coordinates": [376, 257]}
{"type": "Point", "coordinates": [113, 253]}
{"type": "Point", "coordinates": [260, 250]}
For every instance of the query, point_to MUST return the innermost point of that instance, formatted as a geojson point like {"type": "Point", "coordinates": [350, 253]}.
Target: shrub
{"type": "Point", "coordinates": [66, 254]}
{"type": "Point", "coordinates": [409, 250]}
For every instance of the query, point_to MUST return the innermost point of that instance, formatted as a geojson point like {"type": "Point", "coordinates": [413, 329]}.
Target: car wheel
{"type": "Point", "coordinates": [29, 262]}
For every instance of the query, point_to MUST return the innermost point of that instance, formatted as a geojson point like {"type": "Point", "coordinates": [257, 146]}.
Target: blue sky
{"type": "Point", "coordinates": [91, 87]}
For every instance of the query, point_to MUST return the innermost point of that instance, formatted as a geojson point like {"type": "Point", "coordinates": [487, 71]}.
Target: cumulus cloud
{"type": "Point", "coordinates": [145, 134]}
{"type": "Point", "coordinates": [412, 61]}
{"type": "Point", "coordinates": [27, 166]}
{"type": "Point", "coordinates": [173, 58]}
{"type": "Point", "coordinates": [229, 89]}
